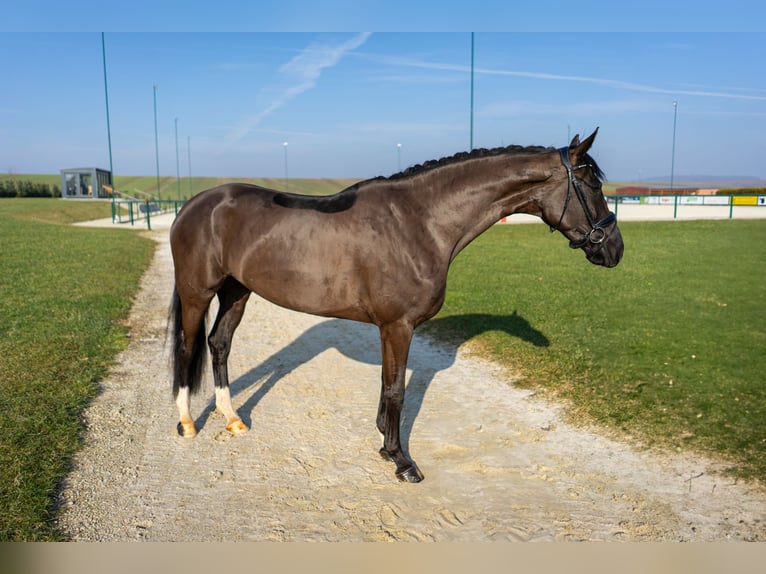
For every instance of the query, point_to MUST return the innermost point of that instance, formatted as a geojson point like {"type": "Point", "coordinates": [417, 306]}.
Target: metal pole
{"type": "Point", "coordinates": [399, 157]}
{"type": "Point", "coordinates": [178, 165]}
{"type": "Point", "coordinates": [673, 160]}
{"type": "Point", "coordinates": [472, 59]}
{"type": "Point", "coordinates": [108, 125]}
{"type": "Point", "coordinates": [284, 145]}
{"type": "Point", "coordinates": [156, 142]}
{"type": "Point", "coordinates": [188, 150]}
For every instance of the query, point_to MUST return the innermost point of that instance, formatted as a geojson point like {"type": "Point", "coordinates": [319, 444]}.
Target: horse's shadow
{"type": "Point", "coordinates": [361, 342]}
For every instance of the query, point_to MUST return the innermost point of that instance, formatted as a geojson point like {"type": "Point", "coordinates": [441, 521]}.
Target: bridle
{"type": "Point", "coordinates": [596, 234]}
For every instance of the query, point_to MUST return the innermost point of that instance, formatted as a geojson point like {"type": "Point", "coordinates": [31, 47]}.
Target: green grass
{"type": "Point", "coordinates": [667, 348]}
{"type": "Point", "coordinates": [64, 294]}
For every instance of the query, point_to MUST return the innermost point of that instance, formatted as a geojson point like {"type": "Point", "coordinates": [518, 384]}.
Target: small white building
{"type": "Point", "coordinates": [86, 183]}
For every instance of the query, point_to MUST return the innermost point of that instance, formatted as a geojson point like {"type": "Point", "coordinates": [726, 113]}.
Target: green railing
{"type": "Point", "coordinates": [728, 202]}
{"type": "Point", "coordinates": [141, 211]}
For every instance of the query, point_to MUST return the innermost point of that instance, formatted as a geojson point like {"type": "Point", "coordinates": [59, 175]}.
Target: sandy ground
{"type": "Point", "coordinates": [500, 463]}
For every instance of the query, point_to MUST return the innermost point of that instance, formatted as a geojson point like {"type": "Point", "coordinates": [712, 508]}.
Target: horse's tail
{"type": "Point", "coordinates": [189, 375]}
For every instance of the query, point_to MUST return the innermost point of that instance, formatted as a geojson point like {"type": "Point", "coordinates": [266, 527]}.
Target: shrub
{"type": "Point", "coordinates": [23, 188]}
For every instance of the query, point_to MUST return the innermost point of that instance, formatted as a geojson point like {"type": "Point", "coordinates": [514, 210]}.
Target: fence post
{"type": "Point", "coordinates": [731, 206]}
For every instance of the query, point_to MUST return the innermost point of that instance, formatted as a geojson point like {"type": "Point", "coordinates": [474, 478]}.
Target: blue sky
{"type": "Point", "coordinates": [343, 101]}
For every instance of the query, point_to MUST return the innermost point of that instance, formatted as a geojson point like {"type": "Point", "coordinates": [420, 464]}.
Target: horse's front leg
{"type": "Point", "coordinates": [395, 343]}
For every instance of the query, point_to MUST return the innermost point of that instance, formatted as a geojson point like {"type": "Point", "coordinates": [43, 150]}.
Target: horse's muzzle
{"type": "Point", "coordinates": [607, 249]}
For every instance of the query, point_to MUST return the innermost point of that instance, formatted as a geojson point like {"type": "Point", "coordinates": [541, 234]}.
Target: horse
{"type": "Point", "coordinates": [377, 252]}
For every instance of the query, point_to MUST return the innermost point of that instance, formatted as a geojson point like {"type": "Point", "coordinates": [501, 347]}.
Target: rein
{"type": "Point", "coordinates": [596, 234]}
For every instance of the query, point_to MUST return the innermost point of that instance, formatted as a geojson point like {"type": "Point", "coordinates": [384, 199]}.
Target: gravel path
{"type": "Point", "coordinates": [500, 464]}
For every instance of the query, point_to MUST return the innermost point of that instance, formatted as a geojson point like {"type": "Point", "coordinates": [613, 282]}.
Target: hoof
{"type": "Point", "coordinates": [237, 427]}
{"type": "Point", "coordinates": [186, 430]}
{"type": "Point", "coordinates": [410, 474]}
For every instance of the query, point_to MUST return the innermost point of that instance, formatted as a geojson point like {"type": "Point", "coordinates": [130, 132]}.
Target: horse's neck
{"type": "Point", "coordinates": [466, 202]}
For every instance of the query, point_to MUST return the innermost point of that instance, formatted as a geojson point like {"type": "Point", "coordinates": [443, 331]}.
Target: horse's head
{"type": "Point", "coordinates": [577, 207]}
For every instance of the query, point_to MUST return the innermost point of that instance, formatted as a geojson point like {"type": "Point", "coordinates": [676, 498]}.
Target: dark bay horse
{"type": "Point", "coordinates": [376, 252]}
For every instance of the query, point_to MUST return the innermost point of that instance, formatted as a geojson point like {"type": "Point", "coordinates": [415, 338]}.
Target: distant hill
{"type": "Point", "coordinates": [172, 188]}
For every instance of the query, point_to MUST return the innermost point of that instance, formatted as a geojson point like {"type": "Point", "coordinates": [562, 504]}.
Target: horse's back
{"type": "Point", "coordinates": [196, 219]}
{"type": "Point", "coordinates": [205, 202]}
{"type": "Point", "coordinates": [351, 255]}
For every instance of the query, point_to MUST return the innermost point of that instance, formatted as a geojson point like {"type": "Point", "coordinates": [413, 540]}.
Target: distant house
{"type": "Point", "coordinates": [86, 183]}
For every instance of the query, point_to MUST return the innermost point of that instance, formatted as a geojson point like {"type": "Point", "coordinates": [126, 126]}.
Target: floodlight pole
{"type": "Point", "coordinates": [178, 165]}
{"type": "Point", "coordinates": [106, 96]}
{"type": "Point", "coordinates": [188, 151]}
{"type": "Point", "coordinates": [108, 126]}
{"type": "Point", "coordinates": [284, 145]}
{"type": "Point", "coordinates": [472, 68]}
{"type": "Point", "coordinates": [673, 160]}
{"type": "Point", "coordinates": [156, 142]}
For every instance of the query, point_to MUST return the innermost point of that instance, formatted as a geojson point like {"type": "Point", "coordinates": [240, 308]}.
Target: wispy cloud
{"type": "Point", "coordinates": [296, 77]}
{"type": "Point", "coordinates": [731, 93]}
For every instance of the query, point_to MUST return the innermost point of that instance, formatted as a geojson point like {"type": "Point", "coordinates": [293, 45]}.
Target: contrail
{"type": "Point", "coordinates": [616, 84]}
{"type": "Point", "coordinates": [298, 76]}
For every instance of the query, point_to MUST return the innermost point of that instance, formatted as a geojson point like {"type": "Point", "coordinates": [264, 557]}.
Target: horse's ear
{"type": "Point", "coordinates": [575, 141]}
{"type": "Point", "coordinates": [583, 147]}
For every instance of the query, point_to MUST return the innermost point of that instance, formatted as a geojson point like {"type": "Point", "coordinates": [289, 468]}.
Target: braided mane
{"type": "Point", "coordinates": [463, 156]}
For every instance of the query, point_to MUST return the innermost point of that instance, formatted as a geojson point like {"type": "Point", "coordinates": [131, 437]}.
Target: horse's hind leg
{"type": "Point", "coordinates": [232, 297]}
{"type": "Point", "coordinates": [188, 321]}
{"type": "Point", "coordinates": [185, 426]}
